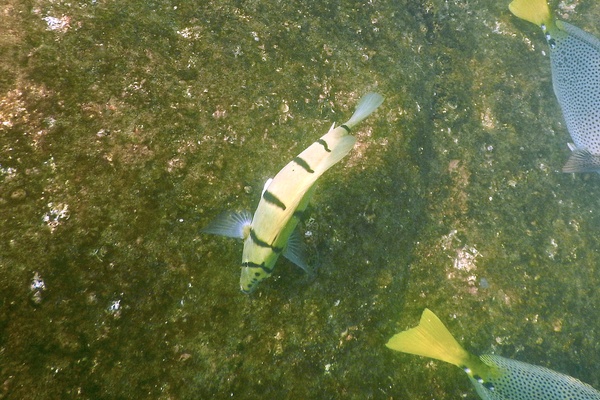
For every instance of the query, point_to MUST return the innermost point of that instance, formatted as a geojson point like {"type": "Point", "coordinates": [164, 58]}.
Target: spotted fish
{"type": "Point", "coordinates": [494, 377]}
{"type": "Point", "coordinates": [271, 232]}
{"type": "Point", "coordinates": [575, 61]}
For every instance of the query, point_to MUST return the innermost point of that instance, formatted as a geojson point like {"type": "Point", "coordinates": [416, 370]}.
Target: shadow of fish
{"type": "Point", "coordinates": [575, 61]}
{"type": "Point", "coordinates": [271, 232]}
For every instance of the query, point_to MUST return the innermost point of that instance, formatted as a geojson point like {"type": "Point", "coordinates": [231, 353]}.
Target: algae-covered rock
{"type": "Point", "coordinates": [126, 127]}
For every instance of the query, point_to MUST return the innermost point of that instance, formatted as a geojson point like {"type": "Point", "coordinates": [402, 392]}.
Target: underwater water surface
{"type": "Point", "coordinates": [126, 127]}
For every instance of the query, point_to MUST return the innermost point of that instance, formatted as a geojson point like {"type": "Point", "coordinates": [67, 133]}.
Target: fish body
{"type": "Point", "coordinates": [494, 377]}
{"type": "Point", "coordinates": [575, 62]}
{"type": "Point", "coordinates": [271, 231]}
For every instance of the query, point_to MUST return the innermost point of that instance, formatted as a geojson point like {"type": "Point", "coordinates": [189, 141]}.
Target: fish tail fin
{"type": "Point", "coordinates": [230, 224]}
{"type": "Point", "coordinates": [430, 339]}
{"type": "Point", "coordinates": [367, 104]}
{"type": "Point", "coordinates": [338, 140]}
{"type": "Point", "coordinates": [535, 11]}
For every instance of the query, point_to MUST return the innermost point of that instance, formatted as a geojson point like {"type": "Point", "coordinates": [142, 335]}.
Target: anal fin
{"type": "Point", "coordinates": [582, 160]}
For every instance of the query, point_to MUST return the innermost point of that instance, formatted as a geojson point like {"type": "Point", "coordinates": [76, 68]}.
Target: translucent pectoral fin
{"type": "Point", "coordinates": [295, 251]}
{"type": "Point", "coordinates": [230, 224]}
{"type": "Point", "coordinates": [581, 160]}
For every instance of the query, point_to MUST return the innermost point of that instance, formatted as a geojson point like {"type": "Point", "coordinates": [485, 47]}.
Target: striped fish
{"type": "Point", "coordinates": [494, 377]}
{"type": "Point", "coordinates": [575, 61]}
{"type": "Point", "coordinates": [272, 230]}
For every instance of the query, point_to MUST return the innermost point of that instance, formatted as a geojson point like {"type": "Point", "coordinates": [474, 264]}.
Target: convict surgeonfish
{"type": "Point", "coordinates": [575, 61]}
{"type": "Point", "coordinates": [494, 377]}
{"type": "Point", "coordinates": [271, 232]}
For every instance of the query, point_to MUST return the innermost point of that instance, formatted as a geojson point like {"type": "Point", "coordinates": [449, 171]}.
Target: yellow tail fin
{"type": "Point", "coordinates": [431, 339]}
{"type": "Point", "coordinates": [535, 11]}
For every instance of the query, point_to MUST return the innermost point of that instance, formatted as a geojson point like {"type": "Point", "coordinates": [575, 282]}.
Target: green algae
{"type": "Point", "coordinates": [128, 127]}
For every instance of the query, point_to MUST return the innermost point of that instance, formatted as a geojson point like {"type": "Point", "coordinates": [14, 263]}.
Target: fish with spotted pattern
{"type": "Point", "coordinates": [575, 62]}
{"type": "Point", "coordinates": [494, 377]}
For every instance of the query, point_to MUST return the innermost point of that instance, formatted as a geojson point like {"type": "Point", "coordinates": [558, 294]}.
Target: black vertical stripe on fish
{"type": "Point", "coordinates": [301, 162]}
{"type": "Point", "coordinates": [345, 127]}
{"type": "Point", "coordinates": [257, 241]}
{"type": "Point", "coordinates": [262, 243]}
{"type": "Point", "coordinates": [250, 264]}
{"type": "Point", "coordinates": [271, 198]}
{"type": "Point", "coordinates": [324, 144]}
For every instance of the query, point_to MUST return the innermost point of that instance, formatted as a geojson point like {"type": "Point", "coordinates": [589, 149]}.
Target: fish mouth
{"type": "Point", "coordinates": [249, 290]}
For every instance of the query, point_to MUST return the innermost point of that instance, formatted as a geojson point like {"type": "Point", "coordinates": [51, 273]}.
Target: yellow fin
{"type": "Point", "coordinates": [430, 339]}
{"type": "Point", "coordinates": [535, 11]}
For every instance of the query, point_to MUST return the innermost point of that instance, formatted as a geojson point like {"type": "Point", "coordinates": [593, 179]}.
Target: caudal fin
{"type": "Point", "coordinates": [431, 339]}
{"type": "Point", "coordinates": [535, 11]}
{"type": "Point", "coordinates": [367, 104]}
